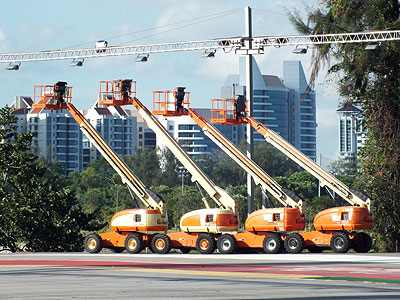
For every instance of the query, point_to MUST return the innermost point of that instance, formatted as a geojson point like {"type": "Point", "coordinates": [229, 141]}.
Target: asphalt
{"type": "Point", "coordinates": [196, 276]}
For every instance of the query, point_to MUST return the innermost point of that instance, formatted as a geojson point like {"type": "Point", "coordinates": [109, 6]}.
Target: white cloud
{"type": "Point", "coordinates": [46, 33]}
{"type": "Point", "coordinates": [204, 28]}
{"type": "Point", "coordinates": [327, 118]}
{"type": "Point", "coordinates": [218, 68]}
{"type": "Point", "coordinates": [3, 41]}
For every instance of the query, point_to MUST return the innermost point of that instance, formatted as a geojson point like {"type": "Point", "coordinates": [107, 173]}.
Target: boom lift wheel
{"type": "Point", "coordinates": [134, 243]}
{"type": "Point", "coordinates": [226, 244]}
{"type": "Point", "coordinates": [205, 243]}
{"type": "Point", "coordinates": [161, 243]}
{"type": "Point", "coordinates": [362, 243]}
{"type": "Point", "coordinates": [294, 243]}
{"type": "Point", "coordinates": [340, 242]}
{"type": "Point", "coordinates": [93, 243]}
{"type": "Point", "coordinates": [272, 243]}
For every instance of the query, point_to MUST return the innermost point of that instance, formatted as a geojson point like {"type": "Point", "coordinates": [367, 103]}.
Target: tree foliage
{"type": "Point", "coordinates": [99, 189]}
{"type": "Point", "coordinates": [38, 212]}
{"type": "Point", "coordinates": [179, 201]}
{"type": "Point", "coordinates": [302, 184]}
{"type": "Point", "coordinates": [371, 80]}
{"type": "Point", "coordinates": [274, 162]}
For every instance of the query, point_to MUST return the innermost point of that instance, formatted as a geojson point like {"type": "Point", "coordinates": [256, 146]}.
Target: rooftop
{"type": "Point", "coordinates": [349, 107]}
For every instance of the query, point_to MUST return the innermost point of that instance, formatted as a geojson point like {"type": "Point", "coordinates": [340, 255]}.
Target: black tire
{"type": "Point", "coordinates": [315, 249]}
{"type": "Point", "coordinates": [134, 243]}
{"type": "Point", "coordinates": [185, 249]}
{"type": "Point", "coordinates": [362, 243]}
{"type": "Point", "coordinates": [161, 243]}
{"type": "Point", "coordinates": [93, 243]}
{"type": "Point", "coordinates": [272, 243]}
{"type": "Point", "coordinates": [226, 244]}
{"type": "Point", "coordinates": [294, 243]}
{"type": "Point", "coordinates": [340, 242]}
{"type": "Point", "coordinates": [205, 243]}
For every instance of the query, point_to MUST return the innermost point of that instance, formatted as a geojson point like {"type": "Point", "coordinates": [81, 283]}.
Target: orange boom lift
{"type": "Point", "coordinates": [334, 226]}
{"type": "Point", "coordinates": [132, 229]}
{"type": "Point", "coordinates": [200, 228]}
{"type": "Point", "coordinates": [265, 227]}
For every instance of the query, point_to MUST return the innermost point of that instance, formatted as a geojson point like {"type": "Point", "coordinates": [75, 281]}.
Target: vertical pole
{"type": "Point", "coordinates": [249, 98]}
{"type": "Point", "coordinates": [319, 181]}
{"type": "Point", "coordinates": [183, 179]}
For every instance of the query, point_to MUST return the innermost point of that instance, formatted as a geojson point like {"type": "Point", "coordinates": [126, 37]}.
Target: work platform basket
{"type": "Point", "coordinates": [171, 103]}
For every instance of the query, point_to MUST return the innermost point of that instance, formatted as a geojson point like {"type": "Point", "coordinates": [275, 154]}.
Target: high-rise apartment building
{"type": "Point", "coordinates": [279, 104]}
{"type": "Point", "coordinates": [192, 138]}
{"type": "Point", "coordinates": [145, 137]}
{"type": "Point", "coordinates": [60, 139]}
{"type": "Point", "coordinates": [116, 126]}
{"type": "Point", "coordinates": [302, 109]}
{"type": "Point", "coordinates": [58, 135]}
{"type": "Point", "coordinates": [21, 105]}
{"type": "Point", "coordinates": [282, 105]}
{"type": "Point", "coordinates": [186, 132]}
{"type": "Point", "coordinates": [352, 132]}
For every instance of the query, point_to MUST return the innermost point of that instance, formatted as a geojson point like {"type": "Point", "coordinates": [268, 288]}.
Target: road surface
{"type": "Point", "coordinates": [196, 276]}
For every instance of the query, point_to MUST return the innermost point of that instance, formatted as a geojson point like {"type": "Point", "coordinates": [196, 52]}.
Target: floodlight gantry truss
{"type": "Point", "coordinates": [236, 44]}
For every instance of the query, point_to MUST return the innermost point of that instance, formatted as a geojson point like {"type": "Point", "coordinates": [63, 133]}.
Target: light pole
{"type": "Point", "coordinates": [249, 98]}
{"type": "Point", "coordinates": [182, 173]}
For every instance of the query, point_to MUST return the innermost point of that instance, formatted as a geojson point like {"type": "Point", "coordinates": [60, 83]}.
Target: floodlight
{"type": "Point", "coordinates": [101, 45]}
{"type": "Point", "coordinates": [373, 47]}
{"type": "Point", "coordinates": [299, 50]}
{"type": "Point", "coordinates": [76, 63]}
{"type": "Point", "coordinates": [209, 53]}
{"type": "Point", "coordinates": [141, 58]}
{"type": "Point", "coordinates": [13, 66]}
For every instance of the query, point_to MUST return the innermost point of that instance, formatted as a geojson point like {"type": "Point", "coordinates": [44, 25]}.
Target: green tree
{"type": "Point", "coordinates": [301, 183]}
{"type": "Point", "coordinates": [170, 169]}
{"type": "Point", "coordinates": [179, 203]}
{"type": "Point", "coordinates": [145, 165]}
{"type": "Point", "coordinates": [348, 166]}
{"type": "Point", "coordinates": [371, 80]}
{"type": "Point", "coordinates": [100, 191]}
{"type": "Point", "coordinates": [274, 162]}
{"type": "Point", "coordinates": [226, 172]}
{"type": "Point", "coordinates": [239, 192]}
{"type": "Point", "coordinates": [38, 211]}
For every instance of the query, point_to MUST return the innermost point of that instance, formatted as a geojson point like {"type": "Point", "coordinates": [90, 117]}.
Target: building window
{"type": "Point", "coordinates": [348, 135]}
{"type": "Point", "coordinates": [185, 127]}
{"type": "Point", "coordinates": [342, 136]}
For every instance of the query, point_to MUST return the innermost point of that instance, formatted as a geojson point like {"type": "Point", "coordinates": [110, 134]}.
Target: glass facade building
{"type": "Point", "coordinates": [352, 132]}
{"type": "Point", "coordinates": [280, 104]}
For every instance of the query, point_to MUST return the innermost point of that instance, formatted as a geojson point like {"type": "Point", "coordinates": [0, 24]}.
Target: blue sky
{"type": "Point", "coordinates": [49, 25]}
